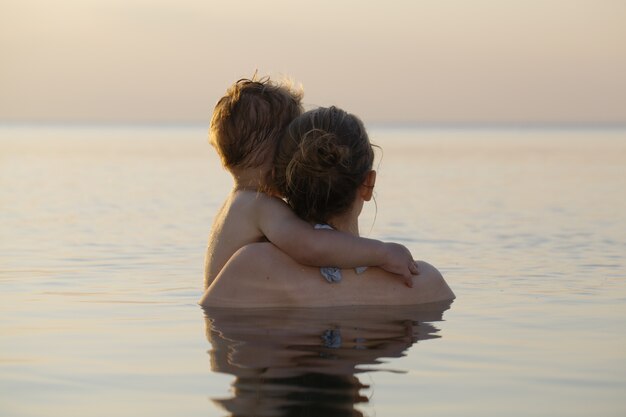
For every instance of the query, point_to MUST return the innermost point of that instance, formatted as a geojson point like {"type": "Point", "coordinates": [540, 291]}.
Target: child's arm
{"type": "Point", "coordinates": [318, 247]}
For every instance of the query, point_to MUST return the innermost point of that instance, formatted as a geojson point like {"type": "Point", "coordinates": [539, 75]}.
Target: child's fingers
{"type": "Point", "coordinates": [413, 268]}
{"type": "Point", "coordinates": [408, 281]}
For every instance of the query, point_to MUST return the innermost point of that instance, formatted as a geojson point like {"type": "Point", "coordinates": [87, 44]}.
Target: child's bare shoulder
{"type": "Point", "coordinates": [263, 208]}
{"type": "Point", "coordinates": [271, 203]}
{"type": "Point", "coordinates": [257, 200]}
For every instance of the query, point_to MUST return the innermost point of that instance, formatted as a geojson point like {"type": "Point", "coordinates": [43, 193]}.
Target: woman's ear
{"type": "Point", "coordinates": [367, 188]}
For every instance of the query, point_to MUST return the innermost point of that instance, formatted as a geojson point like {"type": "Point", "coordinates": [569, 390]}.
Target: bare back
{"type": "Point", "coordinates": [261, 275]}
{"type": "Point", "coordinates": [235, 225]}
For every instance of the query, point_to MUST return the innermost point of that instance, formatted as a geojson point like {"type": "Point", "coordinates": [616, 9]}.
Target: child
{"type": "Point", "coordinates": [246, 125]}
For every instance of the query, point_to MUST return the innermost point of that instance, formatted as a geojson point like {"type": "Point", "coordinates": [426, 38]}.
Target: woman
{"type": "Point", "coordinates": [323, 167]}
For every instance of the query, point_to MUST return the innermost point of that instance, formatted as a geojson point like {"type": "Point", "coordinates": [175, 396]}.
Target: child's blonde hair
{"type": "Point", "coordinates": [248, 121]}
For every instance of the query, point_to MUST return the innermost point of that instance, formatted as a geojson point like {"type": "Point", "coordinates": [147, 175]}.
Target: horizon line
{"type": "Point", "coordinates": [373, 125]}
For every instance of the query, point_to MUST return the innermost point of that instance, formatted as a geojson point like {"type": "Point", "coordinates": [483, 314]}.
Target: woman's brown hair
{"type": "Point", "coordinates": [323, 158]}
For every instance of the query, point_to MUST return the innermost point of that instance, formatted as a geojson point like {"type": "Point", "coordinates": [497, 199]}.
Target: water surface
{"type": "Point", "coordinates": [101, 244]}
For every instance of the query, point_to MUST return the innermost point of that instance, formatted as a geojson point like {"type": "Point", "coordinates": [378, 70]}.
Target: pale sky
{"type": "Point", "coordinates": [433, 61]}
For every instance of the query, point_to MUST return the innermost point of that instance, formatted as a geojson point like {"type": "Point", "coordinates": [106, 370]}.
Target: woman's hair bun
{"type": "Point", "coordinates": [322, 160]}
{"type": "Point", "coordinates": [321, 151]}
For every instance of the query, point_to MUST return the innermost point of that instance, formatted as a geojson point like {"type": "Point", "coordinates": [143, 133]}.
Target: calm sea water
{"type": "Point", "coordinates": [101, 251]}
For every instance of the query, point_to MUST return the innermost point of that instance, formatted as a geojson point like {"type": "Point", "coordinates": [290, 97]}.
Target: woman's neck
{"type": "Point", "coordinates": [348, 223]}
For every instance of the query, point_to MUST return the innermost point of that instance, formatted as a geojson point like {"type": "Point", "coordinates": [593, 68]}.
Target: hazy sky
{"type": "Point", "coordinates": [409, 61]}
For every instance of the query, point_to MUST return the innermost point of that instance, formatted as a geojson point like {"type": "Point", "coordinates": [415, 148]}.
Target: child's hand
{"type": "Point", "coordinates": [399, 261]}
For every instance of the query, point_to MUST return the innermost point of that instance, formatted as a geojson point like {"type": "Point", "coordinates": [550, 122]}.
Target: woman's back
{"type": "Point", "coordinates": [260, 275]}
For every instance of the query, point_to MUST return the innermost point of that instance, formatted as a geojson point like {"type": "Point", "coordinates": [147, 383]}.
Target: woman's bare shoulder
{"type": "Point", "coordinates": [255, 276]}
{"type": "Point", "coordinates": [432, 281]}
{"type": "Point", "coordinates": [379, 287]}
{"type": "Point", "coordinates": [261, 275]}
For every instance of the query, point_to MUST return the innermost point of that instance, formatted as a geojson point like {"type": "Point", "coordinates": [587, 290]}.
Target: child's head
{"type": "Point", "coordinates": [249, 119]}
{"type": "Point", "coordinates": [322, 160]}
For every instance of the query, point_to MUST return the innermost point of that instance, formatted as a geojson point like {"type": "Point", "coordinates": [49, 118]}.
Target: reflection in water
{"type": "Point", "coordinates": [301, 362]}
